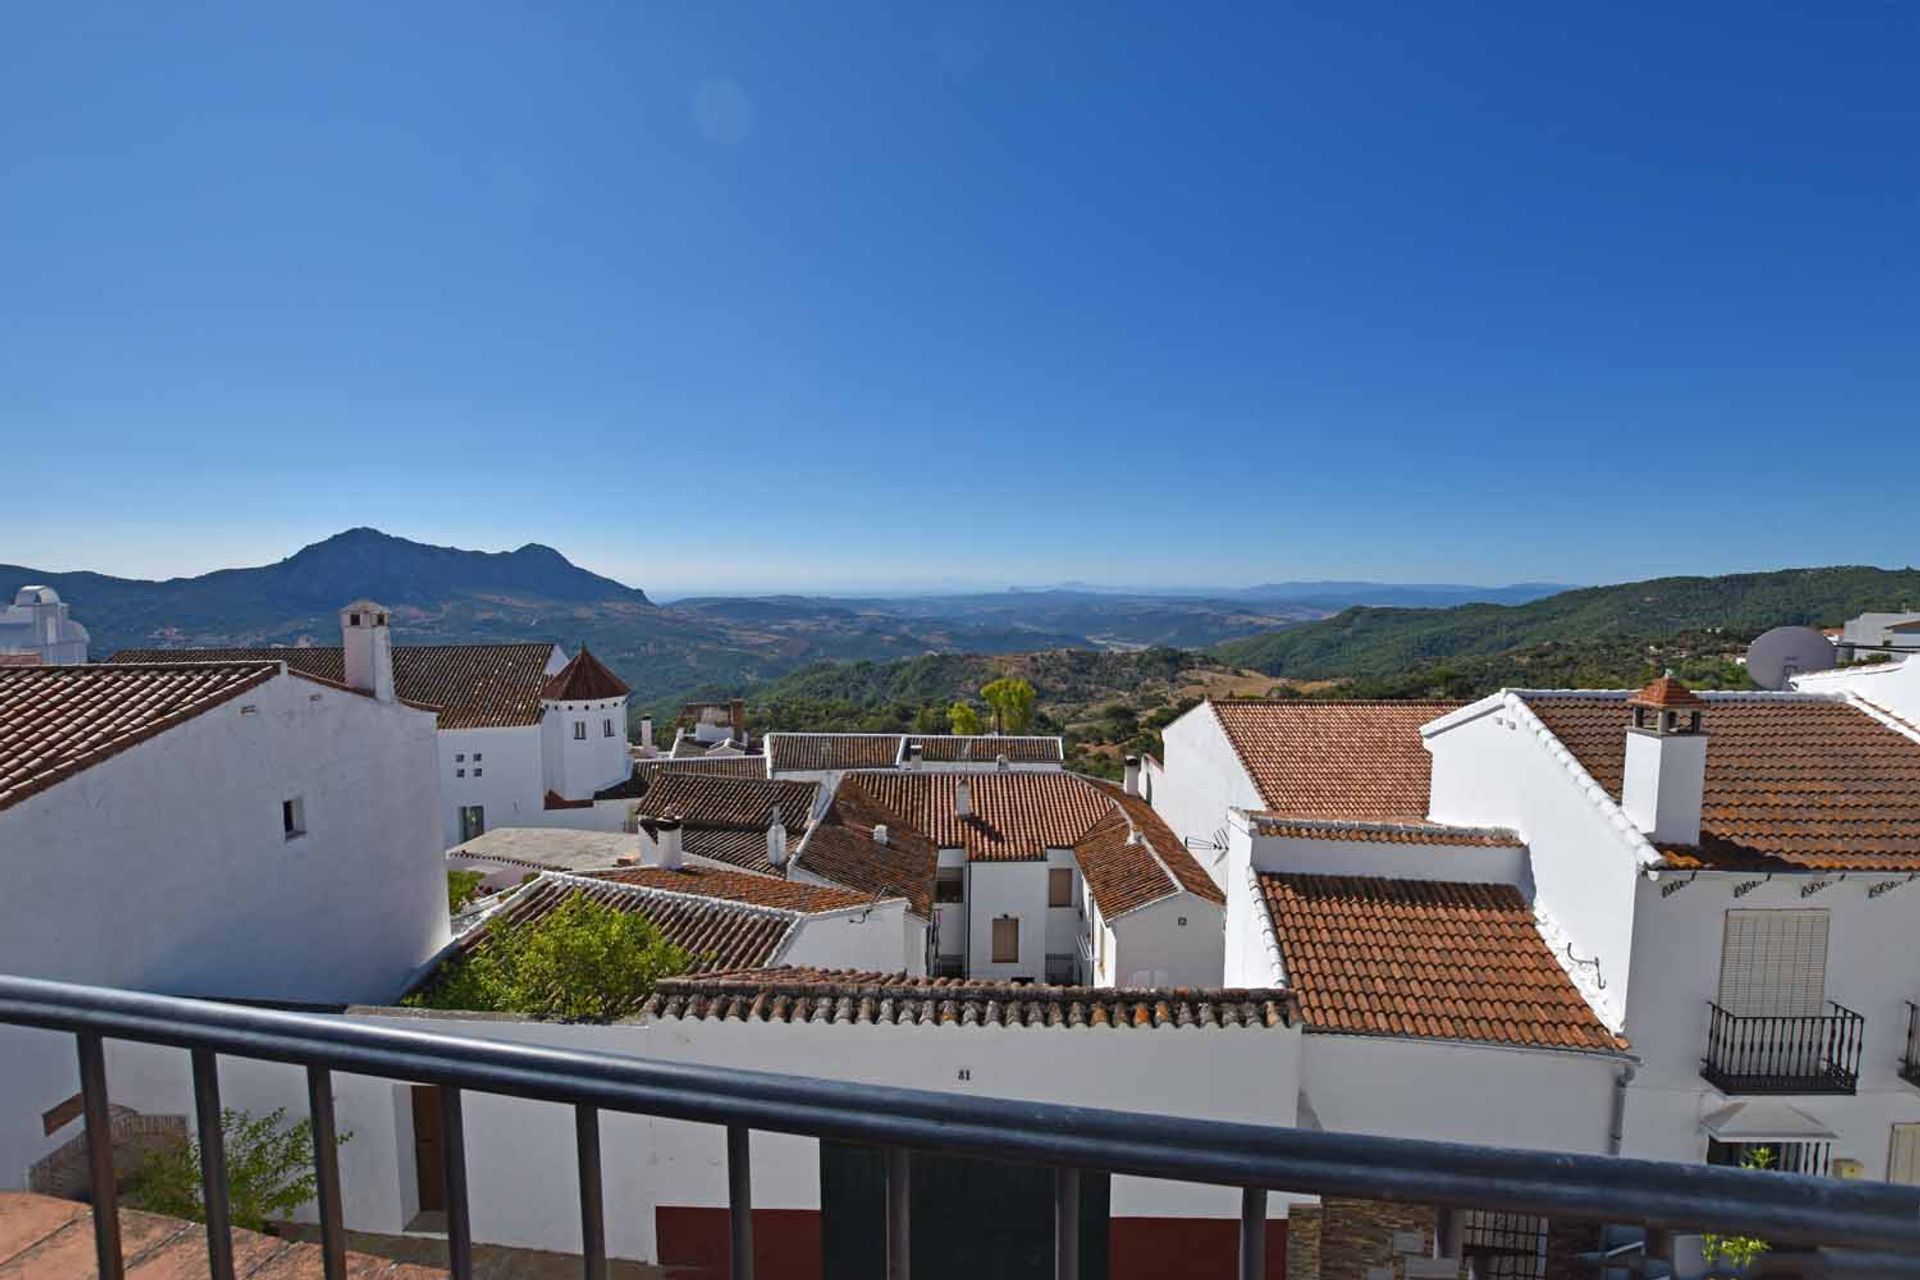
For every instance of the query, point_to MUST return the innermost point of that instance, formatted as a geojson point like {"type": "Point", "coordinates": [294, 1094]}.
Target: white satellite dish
{"type": "Point", "coordinates": [1786, 652]}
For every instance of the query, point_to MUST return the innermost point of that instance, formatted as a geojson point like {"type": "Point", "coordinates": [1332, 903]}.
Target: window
{"type": "Point", "coordinates": [459, 758]}
{"type": "Point", "coordinates": [949, 885]}
{"type": "Point", "coordinates": [293, 817]}
{"type": "Point", "coordinates": [473, 821]}
{"type": "Point", "coordinates": [1903, 1159]}
{"type": "Point", "coordinates": [606, 727]}
{"type": "Point", "coordinates": [459, 773]}
{"type": "Point", "coordinates": [1774, 964]}
{"type": "Point", "coordinates": [580, 730]}
{"type": "Point", "coordinates": [477, 772]}
{"type": "Point", "coordinates": [476, 757]}
{"type": "Point", "coordinates": [1060, 887]}
{"type": "Point", "coordinates": [1006, 940]}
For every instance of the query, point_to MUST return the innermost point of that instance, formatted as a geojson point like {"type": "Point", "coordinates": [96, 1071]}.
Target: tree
{"type": "Point", "coordinates": [269, 1171]}
{"type": "Point", "coordinates": [1737, 1252]}
{"type": "Point", "coordinates": [582, 962]}
{"type": "Point", "coordinates": [1012, 701]}
{"type": "Point", "coordinates": [962, 718]}
{"type": "Point", "coordinates": [462, 887]}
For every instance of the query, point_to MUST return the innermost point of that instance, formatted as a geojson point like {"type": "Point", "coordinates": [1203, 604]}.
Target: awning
{"type": "Point", "coordinates": [1765, 1121]}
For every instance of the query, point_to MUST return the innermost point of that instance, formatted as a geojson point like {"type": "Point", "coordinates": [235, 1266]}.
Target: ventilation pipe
{"type": "Point", "coordinates": [777, 841]}
{"type": "Point", "coordinates": [646, 734]}
{"type": "Point", "coordinates": [963, 798]}
{"type": "Point", "coordinates": [914, 754]}
{"type": "Point", "coordinates": [666, 844]}
{"type": "Point", "coordinates": [1133, 776]}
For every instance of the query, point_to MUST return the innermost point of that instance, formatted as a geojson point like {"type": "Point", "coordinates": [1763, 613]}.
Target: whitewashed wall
{"type": "Point", "coordinates": [1472, 864]}
{"type": "Point", "coordinates": [1201, 779]}
{"type": "Point", "coordinates": [871, 939]}
{"type": "Point", "coordinates": [1007, 888]}
{"type": "Point", "coordinates": [1176, 942]}
{"type": "Point", "coordinates": [511, 785]}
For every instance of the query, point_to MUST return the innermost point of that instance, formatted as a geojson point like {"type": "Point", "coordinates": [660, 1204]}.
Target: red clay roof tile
{"type": "Point", "coordinates": [1346, 760]}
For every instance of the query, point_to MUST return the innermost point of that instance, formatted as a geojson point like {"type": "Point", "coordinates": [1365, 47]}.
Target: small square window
{"type": "Point", "coordinates": [580, 730]}
{"type": "Point", "coordinates": [476, 757]}
{"type": "Point", "coordinates": [476, 773]}
{"type": "Point", "coordinates": [293, 817]}
{"type": "Point", "coordinates": [459, 758]}
{"type": "Point", "coordinates": [459, 773]}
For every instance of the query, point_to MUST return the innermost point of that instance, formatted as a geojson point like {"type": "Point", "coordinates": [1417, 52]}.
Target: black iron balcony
{"type": "Point", "coordinates": [1764, 1053]}
{"type": "Point", "coordinates": [1910, 1065]}
{"type": "Point", "coordinates": [1662, 1198]}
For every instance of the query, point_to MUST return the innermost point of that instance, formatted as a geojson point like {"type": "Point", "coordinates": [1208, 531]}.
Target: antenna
{"type": "Point", "coordinates": [1785, 652]}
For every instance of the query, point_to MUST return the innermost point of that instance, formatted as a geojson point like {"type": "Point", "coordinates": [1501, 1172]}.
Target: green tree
{"type": "Point", "coordinates": [1012, 701]}
{"type": "Point", "coordinates": [1737, 1252]}
{"type": "Point", "coordinates": [582, 962]}
{"type": "Point", "coordinates": [962, 718]}
{"type": "Point", "coordinates": [269, 1171]}
{"type": "Point", "coordinates": [462, 888]}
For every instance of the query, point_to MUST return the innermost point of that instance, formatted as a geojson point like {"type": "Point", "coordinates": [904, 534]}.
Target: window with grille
{"type": "Point", "coordinates": [606, 728]}
{"type": "Point", "coordinates": [1504, 1246]}
{"type": "Point", "coordinates": [1006, 940]}
{"type": "Point", "coordinates": [580, 730]}
{"type": "Point", "coordinates": [1774, 964]}
{"type": "Point", "coordinates": [1813, 1158]}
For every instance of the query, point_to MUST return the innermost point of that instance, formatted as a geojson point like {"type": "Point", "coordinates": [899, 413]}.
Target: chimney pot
{"type": "Point", "coordinates": [880, 833]}
{"type": "Point", "coordinates": [666, 844]}
{"type": "Point", "coordinates": [915, 754]}
{"type": "Point", "coordinates": [646, 734]}
{"type": "Point", "coordinates": [1664, 783]}
{"type": "Point", "coordinates": [777, 841]}
{"type": "Point", "coordinates": [366, 649]}
{"type": "Point", "coordinates": [963, 798]}
{"type": "Point", "coordinates": [1133, 775]}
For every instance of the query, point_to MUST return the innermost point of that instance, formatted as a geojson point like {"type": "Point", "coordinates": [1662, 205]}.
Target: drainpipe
{"type": "Point", "coordinates": [1616, 1134]}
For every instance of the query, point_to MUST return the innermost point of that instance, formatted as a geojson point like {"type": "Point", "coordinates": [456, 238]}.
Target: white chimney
{"type": "Point", "coordinates": [666, 844]}
{"type": "Point", "coordinates": [646, 734]}
{"type": "Point", "coordinates": [1666, 768]}
{"type": "Point", "coordinates": [963, 798]}
{"type": "Point", "coordinates": [777, 841]}
{"type": "Point", "coordinates": [914, 754]}
{"type": "Point", "coordinates": [880, 833]}
{"type": "Point", "coordinates": [1132, 783]}
{"type": "Point", "coordinates": [367, 645]}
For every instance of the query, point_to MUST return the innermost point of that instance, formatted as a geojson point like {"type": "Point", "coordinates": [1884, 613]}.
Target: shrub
{"type": "Point", "coordinates": [269, 1171]}
{"type": "Point", "coordinates": [462, 888]}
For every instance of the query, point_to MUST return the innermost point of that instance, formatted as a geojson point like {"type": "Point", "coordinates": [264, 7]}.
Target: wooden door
{"type": "Point", "coordinates": [430, 1172]}
{"type": "Point", "coordinates": [1903, 1161]}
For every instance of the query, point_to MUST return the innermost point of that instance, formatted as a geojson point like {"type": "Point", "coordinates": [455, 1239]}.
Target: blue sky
{"type": "Point", "coordinates": [811, 296]}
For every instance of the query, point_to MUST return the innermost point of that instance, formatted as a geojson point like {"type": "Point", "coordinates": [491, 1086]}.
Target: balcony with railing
{"type": "Point", "coordinates": [1910, 1064]}
{"type": "Point", "coordinates": [1778, 1054]}
{"type": "Point", "coordinates": [1878, 1223]}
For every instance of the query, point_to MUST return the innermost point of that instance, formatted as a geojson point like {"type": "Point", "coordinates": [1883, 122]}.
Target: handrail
{"type": "Point", "coordinates": [1784, 1053]}
{"type": "Point", "coordinates": [1783, 1208]}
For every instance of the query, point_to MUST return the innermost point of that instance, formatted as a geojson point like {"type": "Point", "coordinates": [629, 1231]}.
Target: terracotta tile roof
{"type": "Point", "coordinates": [474, 686]}
{"type": "Point", "coordinates": [1425, 958]}
{"type": "Point", "coordinates": [986, 748]}
{"type": "Point", "coordinates": [700, 799]}
{"type": "Point", "coordinates": [1792, 783]}
{"type": "Point", "coordinates": [1431, 833]}
{"type": "Point", "coordinates": [842, 849]}
{"type": "Point", "coordinates": [848, 998]}
{"type": "Point", "coordinates": [57, 721]}
{"type": "Point", "coordinates": [1016, 816]}
{"type": "Point", "coordinates": [1667, 694]}
{"type": "Point", "coordinates": [817, 752]}
{"type": "Point", "coordinates": [739, 886]}
{"type": "Point", "coordinates": [1350, 760]}
{"type": "Point", "coordinates": [721, 934]}
{"type": "Point", "coordinates": [584, 679]}
{"type": "Point", "coordinates": [743, 847]}
{"type": "Point", "coordinates": [748, 766]}
{"type": "Point", "coordinates": [1130, 858]}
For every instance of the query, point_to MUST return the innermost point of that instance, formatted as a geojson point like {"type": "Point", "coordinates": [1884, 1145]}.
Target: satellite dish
{"type": "Point", "coordinates": [1786, 652]}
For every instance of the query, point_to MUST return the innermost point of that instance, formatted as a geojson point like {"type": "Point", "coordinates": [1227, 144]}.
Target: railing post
{"type": "Point", "coordinates": [593, 1224]}
{"type": "Point", "coordinates": [213, 1163]}
{"type": "Point", "coordinates": [453, 1141]}
{"type": "Point", "coordinates": [740, 1201]}
{"type": "Point", "coordinates": [1253, 1233]}
{"type": "Point", "coordinates": [899, 1225]}
{"type": "Point", "coordinates": [1066, 1224]}
{"type": "Point", "coordinates": [326, 1173]}
{"type": "Point", "coordinates": [106, 1197]}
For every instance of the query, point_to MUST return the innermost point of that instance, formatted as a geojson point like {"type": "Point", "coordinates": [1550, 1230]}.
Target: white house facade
{"type": "Point", "coordinates": [38, 628]}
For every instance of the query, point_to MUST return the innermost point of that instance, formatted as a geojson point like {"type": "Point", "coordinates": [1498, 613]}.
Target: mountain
{"type": "Point", "coordinates": [1336, 595]}
{"type": "Point", "coordinates": [1380, 642]}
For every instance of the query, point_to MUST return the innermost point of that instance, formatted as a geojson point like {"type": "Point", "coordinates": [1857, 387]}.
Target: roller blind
{"type": "Point", "coordinates": [1774, 963]}
{"type": "Point", "coordinates": [1903, 1162]}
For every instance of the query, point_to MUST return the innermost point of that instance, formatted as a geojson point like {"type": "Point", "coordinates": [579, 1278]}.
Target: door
{"type": "Point", "coordinates": [1903, 1160]}
{"type": "Point", "coordinates": [1774, 964]}
{"type": "Point", "coordinates": [473, 821]}
{"type": "Point", "coordinates": [429, 1172]}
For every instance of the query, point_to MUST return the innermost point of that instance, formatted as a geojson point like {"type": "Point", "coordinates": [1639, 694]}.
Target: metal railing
{"type": "Point", "coordinates": [1910, 1065]}
{"type": "Point", "coordinates": [1665, 1198]}
{"type": "Point", "coordinates": [1764, 1053]}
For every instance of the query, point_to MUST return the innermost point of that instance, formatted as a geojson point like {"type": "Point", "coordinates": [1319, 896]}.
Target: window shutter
{"type": "Point", "coordinates": [1006, 940]}
{"type": "Point", "coordinates": [1903, 1162]}
{"type": "Point", "coordinates": [1774, 963]}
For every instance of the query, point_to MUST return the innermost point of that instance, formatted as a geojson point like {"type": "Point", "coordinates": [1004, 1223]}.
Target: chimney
{"type": "Point", "coordinates": [880, 833]}
{"type": "Point", "coordinates": [777, 841]}
{"type": "Point", "coordinates": [646, 734]}
{"type": "Point", "coordinates": [737, 717]}
{"type": "Point", "coordinates": [963, 798]}
{"type": "Point", "coordinates": [914, 753]}
{"type": "Point", "coordinates": [1666, 767]}
{"type": "Point", "coordinates": [367, 647]}
{"type": "Point", "coordinates": [1132, 783]}
{"type": "Point", "coordinates": [666, 844]}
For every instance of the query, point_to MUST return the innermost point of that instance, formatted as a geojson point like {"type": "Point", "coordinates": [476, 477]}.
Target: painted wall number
{"type": "Point", "coordinates": [966, 1073]}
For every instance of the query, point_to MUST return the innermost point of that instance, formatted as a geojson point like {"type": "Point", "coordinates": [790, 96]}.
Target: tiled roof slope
{"type": "Point", "coordinates": [986, 748]}
{"type": "Point", "coordinates": [57, 721]}
{"type": "Point", "coordinates": [1792, 783]}
{"type": "Point", "coordinates": [584, 679]}
{"type": "Point", "coordinates": [1421, 958]}
{"type": "Point", "coordinates": [738, 886]}
{"type": "Point", "coordinates": [848, 998]}
{"type": "Point", "coordinates": [748, 766]}
{"type": "Point", "coordinates": [1170, 850]}
{"type": "Point", "coordinates": [743, 847]}
{"type": "Point", "coordinates": [708, 800]}
{"type": "Point", "coordinates": [474, 686]}
{"type": "Point", "coordinates": [719, 933]}
{"type": "Point", "coordinates": [1016, 816]}
{"type": "Point", "coordinates": [1351, 760]}
{"type": "Point", "coordinates": [842, 849]}
{"type": "Point", "coordinates": [816, 752]}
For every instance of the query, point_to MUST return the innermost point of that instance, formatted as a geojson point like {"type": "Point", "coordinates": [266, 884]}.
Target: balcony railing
{"type": "Point", "coordinates": [1818, 1053]}
{"type": "Point", "coordinates": [1663, 1198]}
{"type": "Point", "coordinates": [1910, 1065]}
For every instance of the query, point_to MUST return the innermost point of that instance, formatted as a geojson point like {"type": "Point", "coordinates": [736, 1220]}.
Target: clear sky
{"type": "Point", "coordinates": [830, 295]}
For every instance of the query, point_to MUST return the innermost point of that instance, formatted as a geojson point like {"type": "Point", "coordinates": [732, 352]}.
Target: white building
{"type": "Point", "coordinates": [1875, 632]}
{"type": "Point", "coordinates": [526, 737]}
{"type": "Point", "coordinates": [36, 628]}
{"type": "Point", "coordinates": [228, 829]}
{"type": "Point", "coordinates": [1891, 687]}
{"type": "Point", "coordinates": [1662, 925]}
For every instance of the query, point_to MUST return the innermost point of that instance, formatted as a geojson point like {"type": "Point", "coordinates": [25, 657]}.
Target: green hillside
{"type": "Point", "coordinates": [1382, 642]}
